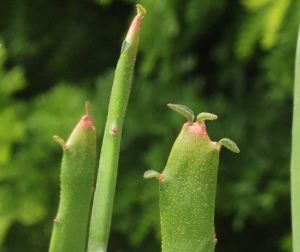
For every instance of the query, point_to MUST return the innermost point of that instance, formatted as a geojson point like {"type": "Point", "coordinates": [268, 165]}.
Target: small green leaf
{"type": "Point", "coordinates": [88, 107]}
{"type": "Point", "coordinates": [206, 116]}
{"type": "Point", "coordinates": [60, 141]}
{"type": "Point", "coordinates": [151, 174]}
{"type": "Point", "coordinates": [141, 10]}
{"type": "Point", "coordinates": [229, 144]}
{"type": "Point", "coordinates": [183, 110]}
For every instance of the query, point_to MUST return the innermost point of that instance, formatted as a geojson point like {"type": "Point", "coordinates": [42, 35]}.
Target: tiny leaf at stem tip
{"type": "Point", "coordinates": [141, 10]}
{"type": "Point", "coordinates": [88, 107]}
{"type": "Point", "coordinates": [183, 110]}
{"type": "Point", "coordinates": [229, 144]}
{"type": "Point", "coordinates": [206, 116]}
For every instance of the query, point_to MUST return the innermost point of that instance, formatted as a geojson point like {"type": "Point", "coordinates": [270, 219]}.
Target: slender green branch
{"type": "Point", "coordinates": [107, 173]}
{"type": "Point", "coordinates": [295, 161]}
{"type": "Point", "coordinates": [78, 170]}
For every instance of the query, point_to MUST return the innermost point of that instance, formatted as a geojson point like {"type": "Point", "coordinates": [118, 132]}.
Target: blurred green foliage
{"type": "Point", "coordinates": [233, 58]}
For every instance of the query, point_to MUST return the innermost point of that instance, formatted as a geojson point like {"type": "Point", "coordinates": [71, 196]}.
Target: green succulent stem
{"type": "Point", "coordinates": [78, 171]}
{"type": "Point", "coordinates": [107, 173]}
{"type": "Point", "coordinates": [187, 189]}
{"type": "Point", "coordinates": [295, 159]}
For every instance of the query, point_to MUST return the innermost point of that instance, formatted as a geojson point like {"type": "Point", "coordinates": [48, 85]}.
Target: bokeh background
{"type": "Point", "coordinates": [233, 58]}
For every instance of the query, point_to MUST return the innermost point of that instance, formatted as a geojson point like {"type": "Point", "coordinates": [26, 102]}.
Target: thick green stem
{"type": "Point", "coordinates": [187, 193]}
{"type": "Point", "coordinates": [187, 188]}
{"type": "Point", "coordinates": [78, 170]}
{"type": "Point", "coordinates": [107, 173]}
{"type": "Point", "coordinates": [295, 161]}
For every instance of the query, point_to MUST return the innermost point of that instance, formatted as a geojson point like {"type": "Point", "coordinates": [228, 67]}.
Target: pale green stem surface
{"type": "Point", "coordinates": [78, 171]}
{"type": "Point", "coordinates": [187, 186]}
{"type": "Point", "coordinates": [109, 157]}
{"type": "Point", "coordinates": [295, 161]}
{"type": "Point", "coordinates": [187, 193]}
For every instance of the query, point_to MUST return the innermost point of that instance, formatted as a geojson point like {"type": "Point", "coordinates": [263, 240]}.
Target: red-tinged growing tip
{"type": "Point", "coordinates": [84, 126]}
{"type": "Point", "coordinates": [135, 25]}
{"type": "Point", "coordinates": [86, 122]}
{"type": "Point", "coordinates": [197, 129]}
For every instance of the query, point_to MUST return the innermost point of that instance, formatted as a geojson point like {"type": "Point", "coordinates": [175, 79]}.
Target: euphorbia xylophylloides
{"type": "Point", "coordinates": [187, 186]}
{"type": "Point", "coordinates": [109, 157]}
{"type": "Point", "coordinates": [78, 170]}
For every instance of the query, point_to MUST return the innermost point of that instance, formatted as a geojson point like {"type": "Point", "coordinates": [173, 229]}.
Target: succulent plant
{"type": "Point", "coordinates": [109, 157]}
{"type": "Point", "coordinates": [187, 186]}
{"type": "Point", "coordinates": [78, 171]}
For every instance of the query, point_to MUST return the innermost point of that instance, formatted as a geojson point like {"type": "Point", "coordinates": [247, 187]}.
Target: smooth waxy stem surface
{"type": "Point", "coordinates": [78, 170]}
{"type": "Point", "coordinates": [187, 189]}
{"type": "Point", "coordinates": [295, 161]}
{"type": "Point", "coordinates": [109, 157]}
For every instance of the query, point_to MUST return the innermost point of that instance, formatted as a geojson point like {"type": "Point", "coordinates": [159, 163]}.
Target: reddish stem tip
{"type": "Point", "coordinates": [86, 122]}
{"type": "Point", "coordinates": [197, 129]}
{"type": "Point", "coordinates": [135, 25]}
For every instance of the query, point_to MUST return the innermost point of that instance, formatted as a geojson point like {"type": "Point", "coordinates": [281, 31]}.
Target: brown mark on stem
{"type": "Point", "coordinates": [215, 239]}
{"type": "Point", "coordinates": [113, 131]}
{"type": "Point", "coordinates": [161, 177]}
{"type": "Point", "coordinates": [56, 221]}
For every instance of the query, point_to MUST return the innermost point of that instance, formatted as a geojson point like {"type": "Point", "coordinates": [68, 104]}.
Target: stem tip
{"type": "Point", "coordinates": [141, 10]}
{"type": "Point", "coordinates": [88, 107]}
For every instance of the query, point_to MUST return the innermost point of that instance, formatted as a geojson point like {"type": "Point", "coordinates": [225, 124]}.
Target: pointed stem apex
{"type": "Point", "coordinates": [133, 32]}
{"type": "Point", "coordinates": [88, 107]}
{"type": "Point", "coordinates": [229, 144]}
{"type": "Point", "coordinates": [141, 10]}
{"type": "Point", "coordinates": [183, 110]}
